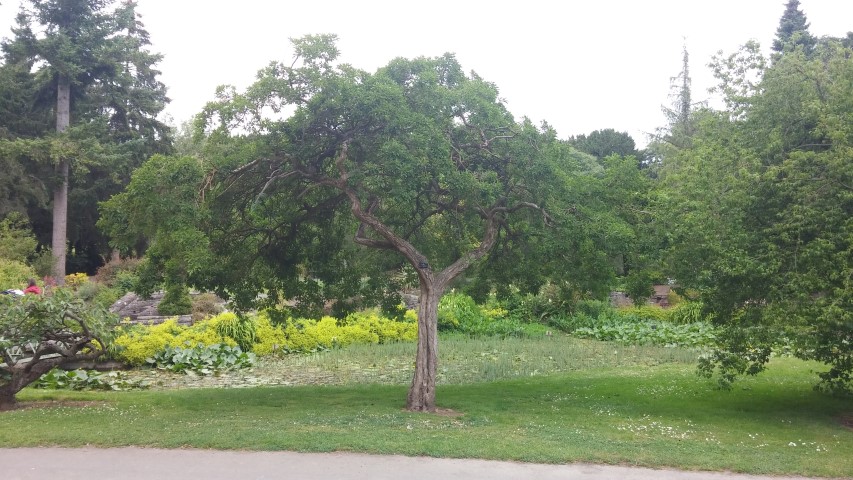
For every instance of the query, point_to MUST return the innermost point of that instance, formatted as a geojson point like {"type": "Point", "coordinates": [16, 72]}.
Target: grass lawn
{"type": "Point", "coordinates": [621, 410]}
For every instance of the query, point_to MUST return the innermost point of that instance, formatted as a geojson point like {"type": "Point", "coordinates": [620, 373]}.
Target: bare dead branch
{"type": "Point", "coordinates": [240, 170]}
{"type": "Point", "coordinates": [272, 180]}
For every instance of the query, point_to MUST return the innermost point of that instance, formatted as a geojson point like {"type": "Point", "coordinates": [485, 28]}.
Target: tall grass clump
{"type": "Point", "coordinates": [239, 328]}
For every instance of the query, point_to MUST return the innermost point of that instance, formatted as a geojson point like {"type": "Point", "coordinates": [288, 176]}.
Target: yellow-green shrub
{"type": "Point", "coordinates": [307, 335]}
{"type": "Point", "coordinates": [327, 333]}
{"type": "Point", "coordinates": [201, 333]}
{"type": "Point", "coordinates": [494, 313]}
{"type": "Point", "coordinates": [386, 330]}
{"type": "Point", "coordinates": [140, 342]}
{"type": "Point", "coordinates": [651, 312]}
{"type": "Point", "coordinates": [673, 298]}
{"type": "Point", "coordinates": [296, 340]}
{"type": "Point", "coordinates": [76, 280]}
{"type": "Point", "coordinates": [135, 344]}
{"type": "Point", "coordinates": [269, 338]}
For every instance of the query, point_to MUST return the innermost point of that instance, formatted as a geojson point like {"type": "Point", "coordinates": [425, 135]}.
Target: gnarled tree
{"type": "Point", "coordinates": [39, 333]}
{"type": "Point", "coordinates": [418, 159]}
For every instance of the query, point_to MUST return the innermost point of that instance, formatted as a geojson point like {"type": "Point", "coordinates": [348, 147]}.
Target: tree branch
{"type": "Point", "coordinates": [486, 243]}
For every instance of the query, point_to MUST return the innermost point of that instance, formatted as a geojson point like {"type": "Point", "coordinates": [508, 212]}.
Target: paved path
{"type": "Point", "coordinates": [143, 463]}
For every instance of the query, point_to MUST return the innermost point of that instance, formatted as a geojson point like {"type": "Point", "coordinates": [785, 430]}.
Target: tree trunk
{"type": "Point", "coordinates": [7, 400]}
{"type": "Point", "coordinates": [23, 375]}
{"type": "Point", "coordinates": [421, 396]}
{"type": "Point", "coordinates": [60, 194]}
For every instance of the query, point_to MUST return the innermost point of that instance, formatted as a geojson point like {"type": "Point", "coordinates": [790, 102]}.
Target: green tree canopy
{"type": "Point", "coordinates": [604, 143]}
{"type": "Point", "coordinates": [793, 30]}
{"type": "Point", "coordinates": [760, 210]}
{"type": "Point", "coordinates": [315, 161]}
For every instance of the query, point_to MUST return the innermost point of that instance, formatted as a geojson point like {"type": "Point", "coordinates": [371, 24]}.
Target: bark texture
{"type": "Point", "coordinates": [421, 397]}
{"type": "Point", "coordinates": [23, 375]}
{"type": "Point", "coordinates": [60, 193]}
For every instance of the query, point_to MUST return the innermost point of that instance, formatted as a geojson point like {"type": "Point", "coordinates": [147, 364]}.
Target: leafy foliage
{"type": "Point", "coordinates": [689, 312]}
{"type": "Point", "coordinates": [17, 247]}
{"type": "Point", "coordinates": [651, 332]}
{"type": "Point", "coordinates": [458, 312]}
{"type": "Point", "coordinates": [417, 158]}
{"type": "Point", "coordinates": [135, 344]}
{"type": "Point", "coordinates": [93, 292]}
{"type": "Point", "coordinates": [119, 273]}
{"type": "Point", "coordinates": [202, 359]}
{"type": "Point", "coordinates": [14, 274]}
{"type": "Point", "coordinates": [76, 280]}
{"type": "Point", "coordinates": [176, 301]}
{"type": "Point", "coordinates": [57, 379]}
{"type": "Point", "coordinates": [17, 241]}
{"type": "Point", "coordinates": [760, 208]}
{"type": "Point", "coordinates": [604, 143]}
{"type": "Point", "coordinates": [54, 330]}
{"type": "Point", "coordinates": [161, 204]}
{"type": "Point", "coordinates": [239, 328]}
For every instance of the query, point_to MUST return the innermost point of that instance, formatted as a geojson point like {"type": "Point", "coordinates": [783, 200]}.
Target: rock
{"type": "Point", "coordinates": [136, 309]}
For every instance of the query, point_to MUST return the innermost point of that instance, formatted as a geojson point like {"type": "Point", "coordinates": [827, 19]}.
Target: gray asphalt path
{"type": "Point", "coordinates": [148, 463]}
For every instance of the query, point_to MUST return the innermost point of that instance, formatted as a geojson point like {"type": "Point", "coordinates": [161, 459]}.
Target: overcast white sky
{"type": "Point", "coordinates": [580, 65]}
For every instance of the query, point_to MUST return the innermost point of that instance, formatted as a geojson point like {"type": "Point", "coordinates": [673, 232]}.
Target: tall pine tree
{"type": "Point", "coordinates": [793, 30]}
{"type": "Point", "coordinates": [96, 78]}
